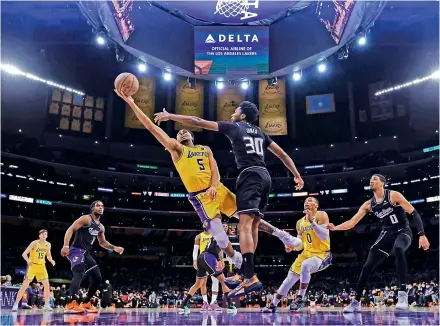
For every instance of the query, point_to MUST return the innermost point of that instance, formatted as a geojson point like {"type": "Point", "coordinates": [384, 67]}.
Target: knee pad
{"type": "Point", "coordinates": [215, 283]}
{"type": "Point", "coordinates": [288, 282]}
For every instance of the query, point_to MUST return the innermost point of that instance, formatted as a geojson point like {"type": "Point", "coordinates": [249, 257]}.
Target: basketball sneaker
{"type": "Point", "coordinates": [233, 281]}
{"type": "Point", "coordinates": [232, 309]}
{"type": "Point", "coordinates": [73, 308]}
{"type": "Point", "coordinates": [238, 259]}
{"type": "Point", "coordinates": [354, 306]}
{"type": "Point", "coordinates": [269, 309]}
{"type": "Point", "coordinates": [289, 240]}
{"type": "Point", "coordinates": [47, 307]}
{"type": "Point", "coordinates": [89, 307]}
{"type": "Point", "coordinates": [247, 286]}
{"type": "Point", "coordinates": [184, 310]}
{"type": "Point", "coordinates": [402, 300]}
{"type": "Point", "coordinates": [205, 306]}
{"type": "Point", "coordinates": [215, 307]}
{"type": "Point", "coordinates": [298, 305]}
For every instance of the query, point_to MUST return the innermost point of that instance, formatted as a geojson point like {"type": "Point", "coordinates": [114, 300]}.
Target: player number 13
{"type": "Point", "coordinates": [254, 145]}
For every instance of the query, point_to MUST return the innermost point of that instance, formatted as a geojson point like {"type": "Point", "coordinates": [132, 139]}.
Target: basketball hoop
{"type": "Point", "coordinates": [231, 8]}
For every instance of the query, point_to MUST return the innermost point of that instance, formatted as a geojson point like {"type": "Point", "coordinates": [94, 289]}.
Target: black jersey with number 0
{"type": "Point", "coordinates": [248, 143]}
{"type": "Point", "coordinates": [392, 217]}
{"type": "Point", "coordinates": [85, 236]}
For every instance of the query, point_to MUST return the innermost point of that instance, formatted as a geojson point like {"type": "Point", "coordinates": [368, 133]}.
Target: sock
{"type": "Point", "coordinates": [302, 292]}
{"type": "Point", "coordinates": [248, 264]}
{"type": "Point", "coordinates": [276, 301]}
{"type": "Point", "coordinates": [186, 300]}
{"type": "Point", "coordinates": [205, 298]}
{"type": "Point", "coordinates": [214, 299]}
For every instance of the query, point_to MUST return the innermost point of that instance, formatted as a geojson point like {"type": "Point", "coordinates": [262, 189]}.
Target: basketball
{"type": "Point", "coordinates": [127, 84]}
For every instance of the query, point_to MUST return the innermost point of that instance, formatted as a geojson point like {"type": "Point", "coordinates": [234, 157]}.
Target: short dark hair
{"type": "Point", "coordinates": [92, 205]}
{"type": "Point", "coordinates": [250, 110]}
{"type": "Point", "coordinates": [42, 231]}
{"type": "Point", "coordinates": [381, 178]}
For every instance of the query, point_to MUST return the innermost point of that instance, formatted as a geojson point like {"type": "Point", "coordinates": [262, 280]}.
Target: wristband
{"type": "Point", "coordinates": [65, 246]}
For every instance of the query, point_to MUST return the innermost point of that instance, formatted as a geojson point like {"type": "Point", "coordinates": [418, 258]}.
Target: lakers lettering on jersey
{"type": "Point", "coordinates": [205, 240]}
{"type": "Point", "coordinates": [312, 243]}
{"type": "Point", "coordinates": [194, 168]}
{"type": "Point", "coordinates": [38, 253]}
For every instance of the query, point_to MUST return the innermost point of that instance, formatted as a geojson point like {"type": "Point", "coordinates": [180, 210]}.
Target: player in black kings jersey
{"type": "Point", "coordinates": [253, 182]}
{"type": "Point", "coordinates": [87, 228]}
{"type": "Point", "coordinates": [390, 207]}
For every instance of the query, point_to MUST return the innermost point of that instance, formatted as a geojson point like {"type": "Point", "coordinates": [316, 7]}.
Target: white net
{"type": "Point", "coordinates": [231, 8]}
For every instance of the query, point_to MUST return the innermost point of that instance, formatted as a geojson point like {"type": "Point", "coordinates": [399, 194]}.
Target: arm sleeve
{"type": "Point", "coordinates": [267, 140]}
{"type": "Point", "coordinates": [418, 221]}
{"type": "Point", "coordinates": [321, 231]}
{"type": "Point", "coordinates": [227, 128]}
{"type": "Point", "coordinates": [195, 252]}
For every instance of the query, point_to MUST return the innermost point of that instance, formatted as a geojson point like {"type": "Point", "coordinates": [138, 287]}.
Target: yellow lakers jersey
{"type": "Point", "coordinates": [205, 239]}
{"type": "Point", "coordinates": [194, 168]}
{"type": "Point", "coordinates": [38, 253]}
{"type": "Point", "coordinates": [311, 242]}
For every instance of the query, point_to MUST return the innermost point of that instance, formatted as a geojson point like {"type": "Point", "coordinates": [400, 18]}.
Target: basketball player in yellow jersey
{"type": "Point", "coordinates": [199, 173]}
{"type": "Point", "coordinates": [316, 256]}
{"type": "Point", "coordinates": [38, 250]}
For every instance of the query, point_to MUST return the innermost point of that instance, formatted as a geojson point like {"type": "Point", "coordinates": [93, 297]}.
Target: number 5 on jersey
{"type": "Point", "coordinates": [200, 163]}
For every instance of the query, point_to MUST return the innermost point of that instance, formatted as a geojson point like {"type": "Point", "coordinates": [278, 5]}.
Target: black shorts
{"type": "Point", "coordinates": [253, 189]}
{"type": "Point", "coordinates": [206, 265]}
{"type": "Point", "coordinates": [387, 238]}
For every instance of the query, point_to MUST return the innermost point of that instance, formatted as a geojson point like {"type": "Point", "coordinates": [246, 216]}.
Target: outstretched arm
{"type": "Point", "coordinates": [169, 143]}
{"type": "Point", "coordinates": [351, 223]}
{"type": "Point", "coordinates": [186, 120]}
{"type": "Point", "coordinates": [107, 245]}
{"type": "Point", "coordinates": [288, 162]}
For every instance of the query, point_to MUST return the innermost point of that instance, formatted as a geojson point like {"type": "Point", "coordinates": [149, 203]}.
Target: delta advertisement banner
{"type": "Point", "coordinates": [189, 101]}
{"type": "Point", "coordinates": [228, 99]}
{"type": "Point", "coordinates": [231, 50]}
{"type": "Point", "coordinates": [144, 98]}
{"type": "Point", "coordinates": [272, 104]}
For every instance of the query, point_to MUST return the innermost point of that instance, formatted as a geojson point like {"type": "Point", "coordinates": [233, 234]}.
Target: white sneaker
{"type": "Point", "coordinates": [47, 308]}
{"type": "Point", "coordinates": [15, 307]}
{"type": "Point", "coordinates": [290, 240]}
{"type": "Point", "coordinates": [402, 300]}
{"type": "Point", "coordinates": [238, 259]}
{"type": "Point", "coordinates": [354, 306]}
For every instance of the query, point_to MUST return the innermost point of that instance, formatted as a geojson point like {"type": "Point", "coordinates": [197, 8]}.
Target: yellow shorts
{"type": "Point", "coordinates": [326, 258]}
{"type": "Point", "coordinates": [208, 209]}
{"type": "Point", "coordinates": [38, 271]}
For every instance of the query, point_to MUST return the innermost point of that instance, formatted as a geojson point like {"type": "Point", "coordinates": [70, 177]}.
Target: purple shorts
{"type": "Point", "coordinates": [79, 256]}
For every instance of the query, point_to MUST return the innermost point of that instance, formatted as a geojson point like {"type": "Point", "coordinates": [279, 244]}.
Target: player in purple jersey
{"type": "Point", "coordinates": [253, 182]}
{"type": "Point", "coordinates": [87, 228]}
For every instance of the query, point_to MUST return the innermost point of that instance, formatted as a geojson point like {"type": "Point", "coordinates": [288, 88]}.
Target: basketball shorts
{"type": "Point", "coordinates": [387, 238]}
{"type": "Point", "coordinates": [37, 271]}
{"type": "Point", "coordinates": [253, 189]}
{"type": "Point", "coordinates": [207, 209]}
{"type": "Point", "coordinates": [78, 256]}
{"type": "Point", "coordinates": [326, 258]}
{"type": "Point", "coordinates": [206, 265]}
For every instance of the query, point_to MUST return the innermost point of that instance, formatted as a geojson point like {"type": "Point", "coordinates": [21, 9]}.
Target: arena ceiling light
{"type": "Point", "coordinates": [220, 84]}
{"type": "Point", "coordinates": [166, 74]}
{"type": "Point", "coordinates": [435, 75]}
{"type": "Point", "coordinates": [12, 70]}
{"type": "Point", "coordinates": [362, 38]}
{"type": "Point", "coordinates": [245, 84]}
{"type": "Point", "coordinates": [100, 38]}
{"type": "Point", "coordinates": [322, 67]}
{"type": "Point", "coordinates": [142, 66]}
{"type": "Point", "coordinates": [297, 75]}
